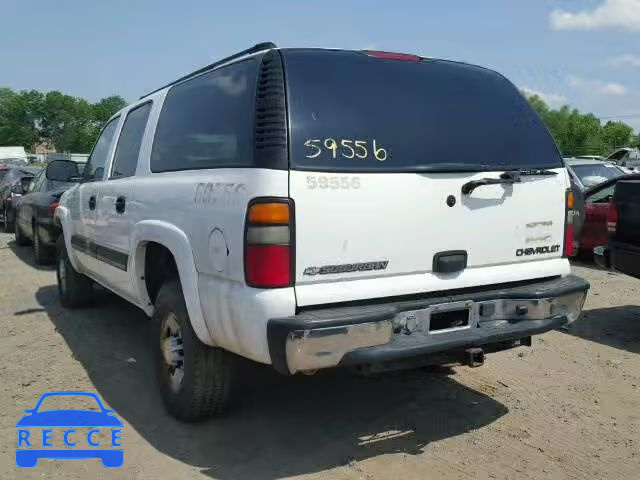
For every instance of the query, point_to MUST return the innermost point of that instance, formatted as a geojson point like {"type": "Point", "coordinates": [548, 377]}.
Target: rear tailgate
{"type": "Point", "coordinates": [627, 198]}
{"type": "Point", "coordinates": [380, 151]}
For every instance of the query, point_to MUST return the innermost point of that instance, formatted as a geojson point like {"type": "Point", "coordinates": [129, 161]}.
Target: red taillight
{"type": "Point", "coordinates": [568, 224]}
{"type": "Point", "coordinates": [612, 217]}
{"type": "Point", "coordinates": [268, 255]}
{"type": "Point", "coordinates": [268, 266]}
{"type": "Point", "coordinates": [568, 240]}
{"type": "Point", "coordinates": [52, 208]}
{"type": "Point", "coordinates": [393, 55]}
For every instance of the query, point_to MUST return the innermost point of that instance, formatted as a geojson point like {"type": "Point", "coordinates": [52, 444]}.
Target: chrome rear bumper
{"type": "Point", "coordinates": [363, 334]}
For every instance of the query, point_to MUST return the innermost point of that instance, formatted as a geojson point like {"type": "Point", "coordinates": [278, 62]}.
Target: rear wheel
{"type": "Point", "coordinates": [194, 379]}
{"type": "Point", "coordinates": [44, 255]}
{"type": "Point", "coordinates": [20, 238]}
{"type": "Point", "coordinates": [75, 289]}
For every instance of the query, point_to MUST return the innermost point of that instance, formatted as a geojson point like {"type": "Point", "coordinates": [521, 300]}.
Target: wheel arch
{"type": "Point", "coordinates": [149, 233]}
{"type": "Point", "coordinates": [64, 217]}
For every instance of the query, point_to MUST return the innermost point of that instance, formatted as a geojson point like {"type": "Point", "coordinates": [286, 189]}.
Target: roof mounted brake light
{"type": "Point", "coordinates": [393, 55]}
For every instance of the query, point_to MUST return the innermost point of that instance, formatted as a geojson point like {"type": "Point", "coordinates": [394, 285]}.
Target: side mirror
{"type": "Point", "coordinates": [63, 171]}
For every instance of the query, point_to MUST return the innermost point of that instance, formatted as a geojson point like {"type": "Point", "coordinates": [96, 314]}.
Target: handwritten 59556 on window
{"type": "Point", "coordinates": [345, 148]}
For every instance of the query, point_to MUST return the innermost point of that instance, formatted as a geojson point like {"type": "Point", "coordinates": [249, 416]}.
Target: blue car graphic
{"type": "Point", "coordinates": [28, 457]}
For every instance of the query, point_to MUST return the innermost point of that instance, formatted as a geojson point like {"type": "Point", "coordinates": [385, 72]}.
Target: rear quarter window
{"type": "Point", "coordinates": [125, 159]}
{"type": "Point", "coordinates": [207, 122]}
{"type": "Point", "coordinates": [353, 112]}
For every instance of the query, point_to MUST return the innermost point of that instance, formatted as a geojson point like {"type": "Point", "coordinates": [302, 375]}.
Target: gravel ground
{"type": "Point", "coordinates": [569, 407]}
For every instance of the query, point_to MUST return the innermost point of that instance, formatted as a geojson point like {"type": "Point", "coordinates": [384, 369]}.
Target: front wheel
{"type": "Point", "coordinates": [194, 379]}
{"type": "Point", "coordinates": [75, 289]}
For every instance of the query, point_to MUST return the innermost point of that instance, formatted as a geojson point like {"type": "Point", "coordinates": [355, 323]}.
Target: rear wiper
{"type": "Point", "coordinates": [536, 171]}
{"type": "Point", "coordinates": [509, 178]}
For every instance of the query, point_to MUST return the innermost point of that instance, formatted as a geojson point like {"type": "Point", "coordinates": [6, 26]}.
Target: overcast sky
{"type": "Point", "coordinates": [582, 52]}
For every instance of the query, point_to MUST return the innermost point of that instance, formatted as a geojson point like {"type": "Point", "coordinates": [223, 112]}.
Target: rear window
{"type": "Point", "coordinates": [207, 122]}
{"type": "Point", "coordinates": [354, 112]}
{"type": "Point", "coordinates": [593, 174]}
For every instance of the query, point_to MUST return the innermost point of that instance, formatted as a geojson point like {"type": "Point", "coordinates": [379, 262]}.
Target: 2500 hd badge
{"type": "Point", "coordinates": [537, 250]}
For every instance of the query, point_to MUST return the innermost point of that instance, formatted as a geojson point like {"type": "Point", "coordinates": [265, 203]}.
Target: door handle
{"type": "Point", "coordinates": [92, 202]}
{"type": "Point", "coordinates": [121, 203]}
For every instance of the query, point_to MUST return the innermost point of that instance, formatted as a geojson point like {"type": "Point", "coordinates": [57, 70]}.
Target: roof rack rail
{"type": "Point", "coordinates": [256, 48]}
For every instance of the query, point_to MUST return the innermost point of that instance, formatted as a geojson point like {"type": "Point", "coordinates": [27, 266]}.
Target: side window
{"type": "Point", "coordinates": [601, 196]}
{"type": "Point", "coordinates": [94, 169]}
{"type": "Point", "coordinates": [207, 122]}
{"type": "Point", "coordinates": [126, 157]}
{"type": "Point", "coordinates": [42, 183]}
{"type": "Point", "coordinates": [36, 182]}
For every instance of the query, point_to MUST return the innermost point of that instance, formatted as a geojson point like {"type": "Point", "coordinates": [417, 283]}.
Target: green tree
{"type": "Point", "coordinates": [19, 114]}
{"type": "Point", "coordinates": [105, 108]}
{"type": "Point", "coordinates": [577, 133]}
{"type": "Point", "coordinates": [69, 123]}
{"type": "Point", "coordinates": [617, 134]}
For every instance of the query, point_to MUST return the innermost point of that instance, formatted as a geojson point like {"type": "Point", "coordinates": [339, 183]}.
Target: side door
{"type": "Point", "coordinates": [116, 203]}
{"type": "Point", "coordinates": [594, 231]}
{"type": "Point", "coordinates": [24, 208]}
{"type": "Point", "coordinates": [83, 235]}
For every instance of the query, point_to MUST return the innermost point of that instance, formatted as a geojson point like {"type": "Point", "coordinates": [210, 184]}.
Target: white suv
{"type": "Point", "coordinates": [311, 208]}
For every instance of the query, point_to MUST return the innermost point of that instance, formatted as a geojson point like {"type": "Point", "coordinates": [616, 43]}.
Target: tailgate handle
{"type": "Point", "coordinates": [450, 261]}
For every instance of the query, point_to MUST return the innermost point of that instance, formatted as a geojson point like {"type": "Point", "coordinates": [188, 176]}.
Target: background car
{"type": "Point", "coordinates": [589, 157]}
{"type": "Point", "coordinates": [34, 222]}
{"type": "Point", "coordinates": [625, 157]}
{"type": "Point", "coordinates": [34, 211]}
{"type": "Point", "coordinates": [594, 229]}
{"type": "Point", "coordinates": [588, 173]}
{"type": "Point", "coordinates": [13, 185]}
{"type": "Point", "coordinates": [7, 164]}
{"type": "Point", "coordinates": [621, 250]}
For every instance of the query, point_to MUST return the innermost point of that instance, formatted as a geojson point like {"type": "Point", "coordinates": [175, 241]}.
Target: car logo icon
{"type": "Point", "coordinates": [32, 446]}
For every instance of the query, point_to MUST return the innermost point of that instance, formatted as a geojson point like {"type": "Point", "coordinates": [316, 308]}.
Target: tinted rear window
{"type": "Point", "coordinates": [207, 122]}
{"type": "Point", "coordinates": [353, 112]}
{"type": "Point", "coordinates": [596, 172]}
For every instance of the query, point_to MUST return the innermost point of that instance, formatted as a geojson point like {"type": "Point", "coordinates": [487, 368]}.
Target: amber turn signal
{"type": "Point", "coordinates": [570, 200]}
{"type": "Point", "coordinates": [269, 213]}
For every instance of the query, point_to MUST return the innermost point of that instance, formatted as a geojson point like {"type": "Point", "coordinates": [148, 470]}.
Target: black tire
{"type": "Point", "coordinates": [75, 289]}
{"type": "Point", "coordinates": [21, 240]}
{"type": "Point", "coordinates": [207, 371]}
{"type": "Point", "coordinates": [44, 255]}
{"type": "Point", "coordinates": [8, 225]}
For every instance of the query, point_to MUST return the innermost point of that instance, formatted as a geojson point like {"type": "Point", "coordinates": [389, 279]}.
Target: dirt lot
{"type": "Point", "coordinates": [567, 408]}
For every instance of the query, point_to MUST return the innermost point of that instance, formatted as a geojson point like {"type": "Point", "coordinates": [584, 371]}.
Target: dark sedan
{"type": "Point", "coordinates": [34, 213]}
{"type": "Point", "coordinates": [14, 184]}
